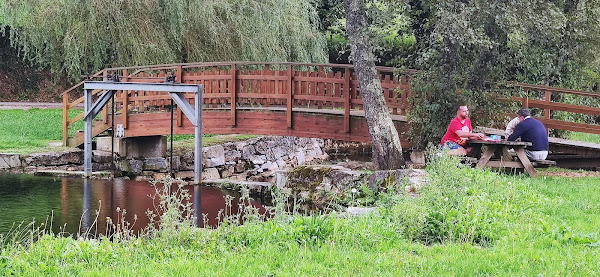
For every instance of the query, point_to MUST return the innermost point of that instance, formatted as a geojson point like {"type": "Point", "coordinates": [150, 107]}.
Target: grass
{"type": "Point", "coordinates": [594, 138]}
{"type": "Point", "coordinates": [29, 131]}
{"type": "Point", "coordinates": [465, 222]}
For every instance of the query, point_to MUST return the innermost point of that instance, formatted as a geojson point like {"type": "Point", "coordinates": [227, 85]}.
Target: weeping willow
{"type": "Point", "coordinates": [75, 37]}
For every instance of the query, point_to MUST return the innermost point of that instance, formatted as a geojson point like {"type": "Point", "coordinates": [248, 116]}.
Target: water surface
{"type": "Point", "coordinates": [75, 204]}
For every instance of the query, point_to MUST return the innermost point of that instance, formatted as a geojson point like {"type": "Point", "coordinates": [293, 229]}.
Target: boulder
{"type": "Point", "coordinates": [55, 158]}
{"type": "Point", "coordinates": [8, 161]}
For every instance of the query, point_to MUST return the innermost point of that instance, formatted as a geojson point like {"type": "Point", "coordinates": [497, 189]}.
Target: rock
{"type": "Point", "coordinates": [386, 178]}
{"type": "Point", "coordinates": [210, 173]}
{"type": "Point", "coordinates": [131, 166]}
{"type": "Point", "coordinates": [358, 211]}
{"type": "Point", "coordinates": [213, 156]}
{"type": "Point", "coordinates": [155, 164]}
{"type": "Point", "coordinates": [9, 160]}
{"type": "Point", "coordinates": [55, 158]}
{"type": "Point", "coordinates": [101, 157]}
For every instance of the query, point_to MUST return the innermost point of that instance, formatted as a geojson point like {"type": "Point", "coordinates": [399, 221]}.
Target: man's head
{"type": "Point", "coordinates": [463, 112]}
{"type": "Point", "coordinates": [523, 113]}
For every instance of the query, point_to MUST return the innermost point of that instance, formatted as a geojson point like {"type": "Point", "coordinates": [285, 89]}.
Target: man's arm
{"type": "Point", "coordinates": [519, 130]}
{"type": "Point", "coordinates": [469, 135]}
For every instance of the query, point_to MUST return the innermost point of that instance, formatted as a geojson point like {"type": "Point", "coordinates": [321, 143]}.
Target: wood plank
{"type": "Point", "coordinates": [525, 161]}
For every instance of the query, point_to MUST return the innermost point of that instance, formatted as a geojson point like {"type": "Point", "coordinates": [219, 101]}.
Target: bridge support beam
{"type": "Point", "coordinates": [194, 114]}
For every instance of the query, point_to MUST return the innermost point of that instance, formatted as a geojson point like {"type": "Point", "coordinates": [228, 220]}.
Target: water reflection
{"type": "Point", "coordinates": [79, 205]}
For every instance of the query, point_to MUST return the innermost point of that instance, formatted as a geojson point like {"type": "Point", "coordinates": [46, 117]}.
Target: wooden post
{"type": "Point", "coordinates": [233, 91]}
{"type": "Point", "coordinates": [290, 80]}
{"type": "Point", "coordinates": [104, 115]}
{"type": "Point", "coordinates": [65, 118]}
{"type": "Point", "coordinates": [179, 78]}
{"type": "Point", "coordinates": [547, 110]}
{"type": "Point", "coordinates": [125, 119]}
{"type": "Point", "coordinates": [525, 100]}
{"type": "Point", "coordinates": [347, 101]}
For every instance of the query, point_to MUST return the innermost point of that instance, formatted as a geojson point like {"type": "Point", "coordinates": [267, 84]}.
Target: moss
{"type": "Point", "coordinates": [306, 177]}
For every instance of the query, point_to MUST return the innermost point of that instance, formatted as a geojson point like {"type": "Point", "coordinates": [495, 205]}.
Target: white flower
{"type": "Point", "coordinates": [354, 191]}
{"type": "Point", "coordinates": [509, 183]}
{"type": "Point", "coordinates": [446, 199]}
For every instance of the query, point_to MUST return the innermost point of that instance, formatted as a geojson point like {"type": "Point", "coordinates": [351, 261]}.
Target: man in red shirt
{"type": "Point", "coordinates": [459, 131]}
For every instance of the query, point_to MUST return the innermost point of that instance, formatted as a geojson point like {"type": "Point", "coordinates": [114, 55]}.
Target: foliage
{"type": "Point", "coordinates": [465, 222]}
{"type": "Point", "coordinates": [475, 45]}
{"type": "Point", "coordinates": [79, 37]}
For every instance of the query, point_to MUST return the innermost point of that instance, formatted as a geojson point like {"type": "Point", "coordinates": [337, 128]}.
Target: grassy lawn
{"type": "Point", "coordinates": [29, 131]}
{"type": "Point", "coordinates": [465, 222]}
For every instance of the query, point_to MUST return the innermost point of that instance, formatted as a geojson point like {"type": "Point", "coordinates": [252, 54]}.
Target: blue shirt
{"type": "Point", "coordinates": [531, 130]}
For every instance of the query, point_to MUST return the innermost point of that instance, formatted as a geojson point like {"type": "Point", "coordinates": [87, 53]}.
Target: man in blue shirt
{"type": "Point", "coordinates": [534, 131]}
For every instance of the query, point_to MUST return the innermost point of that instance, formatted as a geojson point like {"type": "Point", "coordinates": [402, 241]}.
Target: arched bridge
{"type": "Point", "coordinates": [288, 99]}
{"type": "Point", "coordinates": [292, 99]}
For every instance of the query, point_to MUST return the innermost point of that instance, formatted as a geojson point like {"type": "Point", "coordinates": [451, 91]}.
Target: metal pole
{"type": "Point", "coordinates": [171, 157]}
{"type": "Point", "coordinates": [112, 141]}
{"type": "Point", "coordinates": [87, 146]}
{"type": "Point", "coordinates": [198, 138]}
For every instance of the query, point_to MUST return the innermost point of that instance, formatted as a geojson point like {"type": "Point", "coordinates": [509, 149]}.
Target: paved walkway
{"type": "Point", "coordinates": [29, 105]}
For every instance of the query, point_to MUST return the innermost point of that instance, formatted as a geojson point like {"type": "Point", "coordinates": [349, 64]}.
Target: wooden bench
{"type": "Point", "coordinates": [542, 163]}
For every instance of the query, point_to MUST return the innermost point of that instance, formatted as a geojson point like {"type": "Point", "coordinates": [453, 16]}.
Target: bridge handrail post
{"type": "Point", "coordinates": [347, 100]}
{"type": "Point", "coordinates": [125, 117]}
{"type": "Point", "coordinates": [233, 90]}
{"type": "Point", "coordinates": [548, 95]}
{"type": "Point", "coordinates": [65, 118]}
{"type": "Point", "coordinates": [104, 114]}
{"type": "Point", "coordinates": [290, 94]}
{"type": "Point", "coordinates": [179, 78]}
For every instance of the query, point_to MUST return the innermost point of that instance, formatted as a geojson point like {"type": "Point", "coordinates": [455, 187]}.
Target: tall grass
{"type": "Point", "coordinates": [464, 222]}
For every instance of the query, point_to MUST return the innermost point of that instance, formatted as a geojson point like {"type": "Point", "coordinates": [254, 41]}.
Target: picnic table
{"type": "Point", "coordinates": [496, 155]}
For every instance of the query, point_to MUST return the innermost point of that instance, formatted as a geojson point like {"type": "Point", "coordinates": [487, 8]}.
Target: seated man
{"type": "Point", "coordinates": [459, 131]}
{"type": "Point", "coordinates": [510, 128]}
{"type": "Point", "coordinates": [534, 131]}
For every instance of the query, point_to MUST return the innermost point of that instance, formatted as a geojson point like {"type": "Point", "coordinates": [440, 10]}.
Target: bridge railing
{"type": "Point", "coordinates": [247, 85]}
{"type": "Point", "coordinates": [552, 100]}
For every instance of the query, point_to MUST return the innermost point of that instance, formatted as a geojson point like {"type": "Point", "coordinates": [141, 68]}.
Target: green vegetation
{"type": "Point", "coordinates": [464, 222]}
{"type": "Point", "coordinates": [28, 131]}
{"type": "Point", "coordinates": [83, 37]}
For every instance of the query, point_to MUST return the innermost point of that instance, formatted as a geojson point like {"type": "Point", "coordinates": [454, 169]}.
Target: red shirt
{"type": "Point", "coordinates": [456, 125]}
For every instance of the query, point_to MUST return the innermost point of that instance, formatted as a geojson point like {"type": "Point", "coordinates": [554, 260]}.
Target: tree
{"type": "Point", "coordinates": [78, 37]}
{"type": "Point", "coordinates": [385, 142]}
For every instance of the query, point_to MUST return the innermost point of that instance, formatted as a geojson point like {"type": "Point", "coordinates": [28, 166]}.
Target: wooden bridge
{"type": "Point", "coordinates": [289, 99]}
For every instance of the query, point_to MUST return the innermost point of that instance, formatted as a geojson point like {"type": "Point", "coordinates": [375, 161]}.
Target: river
{"type": "Point", "coordinates": [72, 205]}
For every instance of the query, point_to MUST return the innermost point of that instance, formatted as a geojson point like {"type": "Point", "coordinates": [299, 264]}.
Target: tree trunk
{"type": "Point", "coordinates": [385, 142]}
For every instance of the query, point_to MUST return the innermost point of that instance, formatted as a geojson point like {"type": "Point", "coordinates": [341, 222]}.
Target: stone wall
{"type": "Point", "coordinates": [254, 159]}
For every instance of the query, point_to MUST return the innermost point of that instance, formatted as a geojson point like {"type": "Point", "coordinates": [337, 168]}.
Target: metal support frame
{"type": "Point", "coordinates": [194, 114]}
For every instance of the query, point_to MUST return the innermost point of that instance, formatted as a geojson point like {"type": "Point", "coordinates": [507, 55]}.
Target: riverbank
{"type": "Point", "coordinates": [464, 222]}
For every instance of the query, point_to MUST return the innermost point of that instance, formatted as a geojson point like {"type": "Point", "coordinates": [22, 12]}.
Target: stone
{"type": "Point", "coordinates": [358, 211]}
{"type": "Point", "coordinates": [131, 166]}
{"type": "Point", "coordinates": [9, 160]}
{"type": "Point", "coordinates": [417, 157]}
{"type": "Point", "coordinates": [155, 164]}
{"type": "Point", "coordinates": [101, 157]}
{"type": "Point", "coordinates": [213, 156]}
{"type": "Point", "coordinates": [176, 163]}
{"type": "Point", "coordinates": [55, 158]}
{"type": "Point", "coordinates": [227, 171]}
{"type": "Point", "coordinates": [210, 173]}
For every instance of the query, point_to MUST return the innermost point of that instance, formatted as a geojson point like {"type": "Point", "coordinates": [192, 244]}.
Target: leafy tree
{"type": "Point", "coordinates": [474, 47]}
{"type": "Point", "coordinates": [75, 37]}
